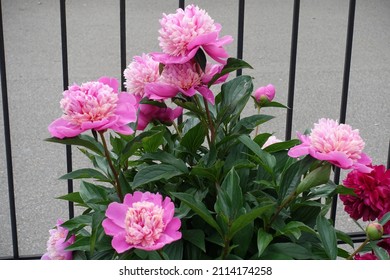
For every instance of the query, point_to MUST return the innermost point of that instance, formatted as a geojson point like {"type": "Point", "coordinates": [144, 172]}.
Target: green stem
{"type": "Point", "coordinates": [108, 157]}
{"type": "Point", "coordinates": [284, 204]}
{"type": "Point", "coordinates": [257, 127]}
{"type": "Point", "coordinates": [358, 249]}
{"type": "Point", "coordinates": [201, 118]}
{"type": "Point", "coordinates": [210, 121]}
{"type": "Point", "coordinates": [160, 254]}
{"type": "Point", "coordinates": [177, 129]}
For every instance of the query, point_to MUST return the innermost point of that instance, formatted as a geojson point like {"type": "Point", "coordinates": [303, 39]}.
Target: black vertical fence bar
{"type": "Point", "coordinates": [293, 64]}
{"type": "Point", "coordinates": [240, 33]}
{"type": "Point", "coordinates": [181, 4]}
{"type": "Point", "coordinates": [344, 93]}
{"type": "Point", "coordinates": [65, 81]}
{"type": "Point", "coordinates": [122, 16]}
{"type": "Point", "coordinates": [8, 147]}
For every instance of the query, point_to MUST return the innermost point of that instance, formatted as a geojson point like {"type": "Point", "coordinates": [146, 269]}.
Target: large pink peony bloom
{"type": "Point", "coordinates": [184, 78]}
{"type": "Point", "coordinates": [372, 191]}
{"type": "Point", "coordinates": [183, 33]}
{"type": "Point", "coordinates": [57, 244]}
{"type": "Point", "coordinates": [143, 221]}
{"type": "Point", "coordinates": [148, 113]}
{"type": "Point", "coordinates": [94, 105]}
{"type": "Point", "coordinates": [142, 70]}
{"type": "Point", "coordinates": [336, 143]}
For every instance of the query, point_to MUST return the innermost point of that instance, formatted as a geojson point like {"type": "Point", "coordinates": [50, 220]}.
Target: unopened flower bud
{"type": "Point", "coordinates": [265, 93]}
{"type": "Point", "coordinates": [374, 231]}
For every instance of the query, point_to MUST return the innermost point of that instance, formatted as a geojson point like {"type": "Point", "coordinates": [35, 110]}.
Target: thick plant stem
{"type": "Point", "coordinates": [358, 249]}
{"type": "Point", "coordinates": [210, 121]}
{"type": "Point", "coordinates": [257, 127]}
{"type": "Point", "coordinates": [108, 157]}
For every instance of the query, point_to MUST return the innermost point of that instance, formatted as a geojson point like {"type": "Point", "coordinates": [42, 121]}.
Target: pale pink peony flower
{"type": "Point", "coordinates": [143, 221]}
{"type": "Point", "coordinates": [148, 113]}
{"type": "Point", "coordinates": [336, 143]}
{"type": "Point", "coordinates": [142, 70]}
{"type": "Point", "coordinates": [94, 105]}
{"type": "Point", "coordinates": [271, 140]}
{"type": "Point", "coordinates": [183, 33]}
{"type": "Point", "coordinates": [264, 93]}
{"type": "Point", "coordinates": [57, 244]}
{"type": "Point", "coordinates": [184, 78]}
{"type": "Point", "coordinates": [372, 193]}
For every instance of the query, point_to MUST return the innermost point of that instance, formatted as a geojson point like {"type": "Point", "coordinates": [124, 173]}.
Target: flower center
{"type": "Point", "coordinates": [92, 101]}
{"type": "Point", "coordinates": [144, 223]}
{"type": "Point", "coordinates": [184, 75]}
{"type": "Point", "coordinates": [328, 136]}
{"type": "Point", "coordinates": [179, 29]}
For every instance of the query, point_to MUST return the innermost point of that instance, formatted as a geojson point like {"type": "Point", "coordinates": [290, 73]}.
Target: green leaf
{"type": "Point", "coordinates": [73, 197]}
{"type": "Point", "coordinates": [151, 143]}
{"type": "Point", "coordinates": [263, 240]}
{"type": "Point", "coordinates": [247, 124]}
{"type": "Point", "coordinates": [381, 253]}
{"type": "Point", "coordinates": [174, 251]}
{"type": "Point", "coordinates": [154, 173]}
{"type": "Point", "coordinates": [267, 160]}
{"type": "Point", "coordinates": [85, 173]}
{"type": "Point", "coordinates": [80, 140]}
{"type": "Point", "coordinates": [196, 237]}
{"type": "Point", "coordinates": [318, 176]}
{"type": "Point", "coordinates": [327, 236]}
{"type": "Point", "coordinates": [94, 196]}
{"type": "Point", "coordinates": [231, 186]}
{"type": "Point", "coordinates": [133, 145]}
{"type": "Point", "coordinates": [166, 158]}
{"type": "Point", "coordinates": [81, 244]}
{"type": "Point", "coordinates": [281, 146]}
{"type": "Point", "coordinates": [194, 138]}
{"type": "Point", "coordinates": [247, 218]}
{"type": "Point", "coordinates": [345, 238]}
{"type": "Point", "coordinates": [159, 104]}
{"type": "Point", "coordinates": [77, 222]}
{"type": "Point", "coordinates": [199, 208]}
{"type": "Point", "coordinates": [232, 64]}
{"type": "Point", "coordinates": [295, 228]}
{"type": "Point", "coordinates": [292, 250]}
{"type": "Point", "coordinates": [385, 218]}
{"type": "Point", "coordinates": [97, 218]}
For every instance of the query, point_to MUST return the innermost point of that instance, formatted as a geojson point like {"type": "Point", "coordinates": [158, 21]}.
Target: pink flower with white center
{"type": "Point", "coordinates": [143, 221]}
{"type": "Point", "coordinates": [271, 140]}
{"type": "Point", "coordinates": [57, 244]}
{"type": "Point", "coordinates": [142, 70]}
{"type": "Point", "coordinates": [184, 78]}
{"type": "Point", "coordinates": [336, 143]}
{"type": "Point", "coordinates": [266, 93]}
{"type": "Point", "coordinates": [148, 113]}
{"type": "Point", "coordinates": [183, 33]}
{"type": "Point", "coordinates": [94, 105]}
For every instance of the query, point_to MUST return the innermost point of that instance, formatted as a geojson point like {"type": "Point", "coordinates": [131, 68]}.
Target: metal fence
{"type": "Point", "coordinates": [356, 236]}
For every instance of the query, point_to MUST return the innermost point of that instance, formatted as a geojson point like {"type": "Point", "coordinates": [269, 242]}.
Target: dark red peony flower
{"type": "Point", "coordinates": [366, 256]}
{"type": "Point", "coordinates": [372, 191]}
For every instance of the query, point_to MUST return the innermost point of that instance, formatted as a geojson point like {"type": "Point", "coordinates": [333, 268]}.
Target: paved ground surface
{"type": "Point", "coordinates": [33, 44]}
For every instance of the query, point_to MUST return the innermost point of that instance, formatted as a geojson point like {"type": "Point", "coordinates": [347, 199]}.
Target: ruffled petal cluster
{"type": "Point", "coordinates": [336, 143]}
{"type": "Point", "coordinates": [57, 244]}
{"type": "Point", "coordinates": [372, 193]}
{"type": "Point", "coordinates": [94, 105]}
{"type": "Point", "coordinates": [144, 221]}
{"type": "Point", "coordinates": [183, 33]}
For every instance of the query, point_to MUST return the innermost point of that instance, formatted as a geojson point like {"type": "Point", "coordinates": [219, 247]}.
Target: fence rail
{"type": "Point", "coordinates": [356, 236]}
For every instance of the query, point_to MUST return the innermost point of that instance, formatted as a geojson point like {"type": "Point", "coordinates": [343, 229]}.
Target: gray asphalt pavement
{"type": "Point", "coordinates": [34, 76]}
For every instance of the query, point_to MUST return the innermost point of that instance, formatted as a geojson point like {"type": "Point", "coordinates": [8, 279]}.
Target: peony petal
{"type": "Point", "coordinates": [337, 158]}
{"type": "Point", "coordinates": [170, 59]}
{"type": "Point", "coordinates": [203, 39]}
{"type": "Point", "coordinates": [117, 213]}
{"type": "Point", "coordinates": [126, 108]}
{"type": "Point", "coordinates": [160, 91]}
{"type": "Point", "coordinates": [299, 150]}
{"type": "Point", "coordinates": [207, 94]}
{"type": "Point", "coordinates": [119, 243]}
{"type": "Point", "coordinates": [111, 82]}
{"type": "Point", "coordinates": [61, 128]}
{"type": "Point", "coordinates": [110, 228]}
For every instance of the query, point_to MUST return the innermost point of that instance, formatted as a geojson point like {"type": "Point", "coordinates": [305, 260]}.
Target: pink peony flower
{"type": "Point", "coordinates": [366, 256]}
{"type": "Point", "coordinates": [141, 71]}
{"type": "Point", "coordinates": [183, 33]}
{"type": "Point", "coordinates": [148, 113]}
{"type": "Point", "coordinates": [271, 140]}
{"type": "Point", "coordinates": [264, 93]}
{"type": "Point", "coordinates": [57, 244]}
{"type": "Point", "coordinates": [335, 143]}
{"type": "Point", "coordinates": [372, 193]}
{"type": "Point", "coordinates": [143, 221]}
{"type": "Point", "coordinates": [185, 78]}
{"type": "Point", "coordinates": [94, 105]}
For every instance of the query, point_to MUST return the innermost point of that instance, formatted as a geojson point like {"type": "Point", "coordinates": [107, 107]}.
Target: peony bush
{"type": "Point", "coordinates": [209, 186]}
